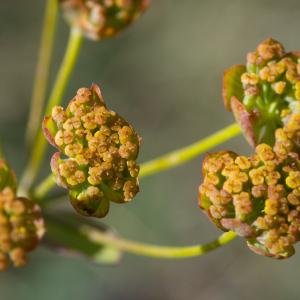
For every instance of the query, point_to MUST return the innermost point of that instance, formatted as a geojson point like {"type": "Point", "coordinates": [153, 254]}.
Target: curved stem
{"type": "Point", "coordinates": [153, 250]}
{"type": "Point", "coordinates": [166, 161]}
{"type": "Point", "coordinates": [39, 146]}
{"type": "Point", "coordinates": [42, 69]}
{"type": "Point", "coordinates": [182, 155]}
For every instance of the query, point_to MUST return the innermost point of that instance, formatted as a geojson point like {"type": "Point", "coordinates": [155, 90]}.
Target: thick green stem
{"type": "Point", "coordinates": [42, 69]}
{"type": "Point", "coordinates": [39, 146]}
{"type": "Point", "coordinates": [164, 162]}
{"type": "Point", "coordinates": [180, 156]}
{"type": "Point", "coordinates": [153, 250]}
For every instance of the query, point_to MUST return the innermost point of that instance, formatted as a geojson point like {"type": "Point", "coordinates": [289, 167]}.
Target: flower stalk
{"type": "Point", "coordinates": [164, 162]}
{"type": "Point", "coordinates": [40, 144]}
{"type": "Point", "coordinates": [44, 187]}
{"type": "Point", "coordinates": [185, 154]}
{"type": "Point", "coordinates": [42, 69]}
{"type": "Point", "coordinates": [157, 251]}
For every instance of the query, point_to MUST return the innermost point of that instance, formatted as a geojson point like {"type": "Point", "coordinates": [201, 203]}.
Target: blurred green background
{"type": "Point", "coordinates": [164, 75]}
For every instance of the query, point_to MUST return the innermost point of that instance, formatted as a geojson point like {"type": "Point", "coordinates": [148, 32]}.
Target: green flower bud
{"type": "Point", "coordinates": [99, 19]}
{"type": "Point", "coordinates": [262, 93]}
{"type": "Point", "coordinates": [258, 197]}
{"type": "Point", "coordinates": [101, 150]}
{"type": "Point", "coordinates": [21, 222]}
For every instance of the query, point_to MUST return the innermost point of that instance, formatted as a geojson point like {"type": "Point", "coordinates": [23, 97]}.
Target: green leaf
{"type": "Point", "coordinates": [49, 129]}
{"type": "Point", "coordinates": [64, 235]}
{"type": "Point", "coordinates": [232, 85]}
{"type": "Point", "coordinates": [244, 119]}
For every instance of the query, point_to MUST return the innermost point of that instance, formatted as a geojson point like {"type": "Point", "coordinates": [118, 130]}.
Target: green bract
{"type": "Point", "coordinates": [101, 150]}
{"type": "Point", "coordinates": [262, 93]}
{"type": "Point", "coordinates": [99, 19]}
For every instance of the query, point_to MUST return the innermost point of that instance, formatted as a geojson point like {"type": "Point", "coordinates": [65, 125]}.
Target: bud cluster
{"type": "Point", "coordinates": [258, 197]}
{"type": "Point", "coordinates": [21, 222]}
{"type": "Point", "coordinates": [99, 19]}
{"type": "Point", "coordinates": [101, 150]}
{"type": "Point", "coordinates": [262, 93]}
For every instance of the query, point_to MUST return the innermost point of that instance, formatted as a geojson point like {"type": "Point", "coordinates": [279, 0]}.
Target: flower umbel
{"type": "Point", "coordinates": [258, 197]}
{"type": "Point", "coordinates": [101, 149]}
{"type": "Point", "coordinates": [262, 93]}
{"type": "Point", "coordinates": [99, 19]}
{"type": "Point", "coordinates": [21, 222]}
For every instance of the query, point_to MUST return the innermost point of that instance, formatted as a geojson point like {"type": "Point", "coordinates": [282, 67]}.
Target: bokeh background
{"type": "Point", "coordinates": [164, 75]}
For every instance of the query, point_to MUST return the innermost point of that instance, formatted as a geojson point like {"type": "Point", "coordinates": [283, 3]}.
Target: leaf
{"type": "Point", "coordinates": [49, 129]}
{"type": "Point", "coordinates": [260, 249]}
{"type": "Point", "coordinates": [54, 163]}
{"type": "Point", "coordinates": [90, 207]}
{"type": "Point", "coordinates": [232, 85]}
{"type": "Point", "coordinates": [97, 95]}
{"type": "Point", "coordinates": [241, 228]}
{"type": "Point", "coordinates": [244, 119]}
{"type": "Point", "coordinates": [293, 54]}
{"type": "Point", "coordinates": [255, 127]}
{"type": "Point", "coordinates": [65, 236]}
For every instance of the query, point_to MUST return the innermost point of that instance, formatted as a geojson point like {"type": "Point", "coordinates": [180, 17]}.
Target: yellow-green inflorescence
{"type": "Point", "coordinates": [101, 149]}
{"type": "Point", "coordinates": [21, 222]}
{"type": "Point", "coordinates": [99, 19]}
{"type": "Point", "coordinates": [258, 197]}
{"type": "Point", "coordinates": [262, 93]}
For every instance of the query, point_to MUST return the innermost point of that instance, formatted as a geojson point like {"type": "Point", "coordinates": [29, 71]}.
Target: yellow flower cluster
{"type": "Point", "coordinates": [270, 66]}
{"type": "Point", "coordinates": [266, 90]}
{"type": "Point", "coordinates": [259, 196]}
{"type": "Point", "coordinates": [21, 222]}
{"type": "Point", "coordinates": [101, 148]}
{"type": "Point", "coordinates": [99, 19]}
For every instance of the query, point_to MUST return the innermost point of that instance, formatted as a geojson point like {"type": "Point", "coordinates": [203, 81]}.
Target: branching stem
{"type": "Point", "coordinates": [39, 146]}
{"type": "Point", "coordinates": [182, 155]}
{"type": "Point", "coordinates": [42, 70]}
{"type": "Point", "coordinates": [156, 251]}
{"type": "Point", "coordinates": [166, 161]}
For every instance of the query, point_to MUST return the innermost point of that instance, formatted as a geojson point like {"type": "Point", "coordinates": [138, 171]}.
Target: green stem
{"type": "Point", "coordinates": [66, 68]}
{"type": "Point", "coordinates": [153, 250]}
{"type": "Point", "coordinates": [44, 187]}
{"type": "Point", "coordinates": [39, 146]}
{"type": "Point", "coordinates": [182, 155]}
{"type": "Point", "coordinates": [42, 69]}
{"type": "Point", "coordinates": [164, 162]}
{"type": "Point", "coordinates": [1, 153]}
